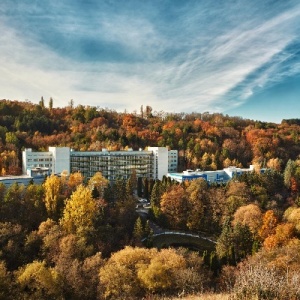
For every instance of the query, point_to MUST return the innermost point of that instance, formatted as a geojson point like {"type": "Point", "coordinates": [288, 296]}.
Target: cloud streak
{"type": "Point", "coordinates": [190, 57]}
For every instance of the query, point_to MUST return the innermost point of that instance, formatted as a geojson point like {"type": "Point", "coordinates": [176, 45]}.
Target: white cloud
{"type": "Point", "coordinates": [203, 75]}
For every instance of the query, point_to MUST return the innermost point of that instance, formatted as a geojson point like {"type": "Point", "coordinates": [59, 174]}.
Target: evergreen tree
{"type": "Point", "coordinates": [42, 102]}
{"type": "Point", "coordinates": [138, 231]}
{"type": "Point", "coordinates": [50, 104]}
{"type": "Point", "coordinates": [140, 187]}
{"type": "Point", "coordinates": [146, 188]}
{"type": "Point", "coordinates": [288, 173]}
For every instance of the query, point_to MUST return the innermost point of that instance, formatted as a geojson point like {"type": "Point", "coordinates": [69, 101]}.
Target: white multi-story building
{"type": "Point", "coordinates": [57, 160]}
{"type": "Point", "coordinates": [151, 163]}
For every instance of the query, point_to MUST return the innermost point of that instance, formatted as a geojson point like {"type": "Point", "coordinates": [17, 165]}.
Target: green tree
{"type": "Point", "coordinates": [12, 239]}
{"type": "Point", "coordinates": [5, 283]}
{"type": "Point", "coordinates": [13, 209]}
{"type": "Point", "coordinates": [238, 194]}
{"type": "Point", "coordinates": [51, 103]}
{"type": "Point", "coordinates": [34, 206]}
{"type": "Point", "coordinates": [288, 172]}
{"type": "Point", "coordinates": [138, 230]}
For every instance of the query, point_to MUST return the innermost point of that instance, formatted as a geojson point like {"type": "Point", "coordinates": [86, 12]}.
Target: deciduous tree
{"type": "Point", "coordinates": [80, 212]}
{"type": "Point", "coordinates": [53, 201]}
{"type": "Point", "coordinates": [174, 206]}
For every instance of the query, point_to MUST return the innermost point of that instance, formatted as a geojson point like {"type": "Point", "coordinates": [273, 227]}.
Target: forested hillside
{"type": "Point", "coordinates": [75, 239]}
{"type": "Point", "coordinates": [206, 141]}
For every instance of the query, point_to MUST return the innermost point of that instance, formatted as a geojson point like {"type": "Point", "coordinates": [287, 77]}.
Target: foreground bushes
{"type": "Point", "coordinates": [268, 274]}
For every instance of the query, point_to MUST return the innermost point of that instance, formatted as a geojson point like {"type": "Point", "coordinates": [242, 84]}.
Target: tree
{"type": "Point", "coordinates": [12, 208]}
{"type": "Point", "coordinates": [98, 182]}
{"type": "Point", "coordinates": [34, 206]}
{"type": "Point", "coordinates": [270, 274]}
{"type": "Point", "coordinates": [138, 230]}
{"type": "Point", "coordinates": [12, 240]}
{"type": "Point", "coordinates": [269, 223]}
{"type": "Point", "coordinates": [80, 212]}
{"type": "Point", "coordinates": [197, 194]}
{"type": "Point", "coordinates": [160, 274]}
{"type": "Point", "coordinates": [249, 215]}
{"type": "Point", "coordinates": [224, 246]}
{"type": "Point", "coordinates": [5, 283]}
{"type": "Point", "coordinates": [42, 102]}
{"type": "Point", "coordinates": [292, 215]}
{"type": "Point", "coordinates": [75, 179]}
{"type": "Point", "coordinates": [283, 233]}
{"type": "Point", "coordinates": [37, 281]}
{"type": "Point", "coordinates": [288, 173]}
{"type": "Point", "coordinates": [53, 202]}
{"type": "Point", "coordinates": [11, 138]}
{"type": "Point", "coordinates": [238, 194]}
{"type": "Point", "coordinates": [77, 268]}
{"type": "Point", "coordinates": [145, 188]}
{"type": "Point", "coordinates": [51, 104]}
{"type": "Point", "coordinates": [174, 206]}
{"type": "Point", "coordinates": [119, 276]}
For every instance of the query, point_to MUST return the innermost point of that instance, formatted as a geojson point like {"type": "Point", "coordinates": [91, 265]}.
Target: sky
{"type": "Point", "coordinates": [236, 57]}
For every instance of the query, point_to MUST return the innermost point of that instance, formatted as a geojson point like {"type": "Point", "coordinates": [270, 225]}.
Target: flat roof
{"type": "Point", "coordinates": [13, 177]}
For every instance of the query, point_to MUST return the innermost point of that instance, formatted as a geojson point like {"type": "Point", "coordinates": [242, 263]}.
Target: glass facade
{"type": "Point", "coordinates": [112, 165]}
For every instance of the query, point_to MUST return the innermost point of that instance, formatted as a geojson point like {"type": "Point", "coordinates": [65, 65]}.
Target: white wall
{"type": "Point", "coordinates": [160, 161]}
{"type": "Point", "coordinates": [32, 160]}
{"type": "Point", "coordinates": [61, 159]}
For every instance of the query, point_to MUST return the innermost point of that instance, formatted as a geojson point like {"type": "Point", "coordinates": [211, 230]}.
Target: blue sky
{"type": "Point", "coordinates": [237, 57]}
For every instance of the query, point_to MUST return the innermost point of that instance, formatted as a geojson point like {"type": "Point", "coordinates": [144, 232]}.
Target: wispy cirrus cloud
{"type": "Point", "coordinates": [188, 56]}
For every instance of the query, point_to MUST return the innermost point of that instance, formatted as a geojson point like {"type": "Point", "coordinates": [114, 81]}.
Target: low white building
{"type": "Point", "coordinates": [218, 176]}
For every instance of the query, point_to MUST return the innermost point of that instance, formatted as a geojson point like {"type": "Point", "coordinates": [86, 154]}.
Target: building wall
{"type": "Point", "coordinates": [23, 179]}
{"type": "Point", "coordinates": [32, 160]}
{"type": "Point", "coordinates": [211, 176]}
{"type": "Point", "coordinates": [112, 164]}
{"type": "Point", "coordinates": [61, 159]}
{"type": "Point", "coordinates": [160, 166]}
{"type": "Point", "coordinates": [153, 163]}
{"type": "Point", "coordinates": [172, 161]}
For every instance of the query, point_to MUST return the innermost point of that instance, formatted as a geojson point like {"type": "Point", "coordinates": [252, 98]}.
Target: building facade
{"type": "Point", "coordinates": [172, 161]}
{"type": "Point", "coordinates": [113, 164]}
{"type": "Point", "coordinates": [219, 176]}
{"type": "Point", "coordinates": [150, 163]}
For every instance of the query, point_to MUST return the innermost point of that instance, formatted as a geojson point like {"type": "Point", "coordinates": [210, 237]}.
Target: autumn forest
{"type": "Point", "coordinates": [70, 238]}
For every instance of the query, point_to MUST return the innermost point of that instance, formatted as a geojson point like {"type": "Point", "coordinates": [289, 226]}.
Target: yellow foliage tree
{"type": "Point", "coordinates": [292, 215]}
{"type": "Point", "coordinates": [39, 282]}
{"type": "Point", "coordinates": [75, 179]}
{"type": "Point", "coordinates": [249, 215]}
{"type": "Point", "coordinates": [99, 182]}
{"type": "Point", "coordinates": [119, 275]}
{"type": "Point", "coordinates": [80, 211]}
{"type": "Point", "coordinates": [52, 187]}
{"type": "Point", "coordinates": [159, 275]}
